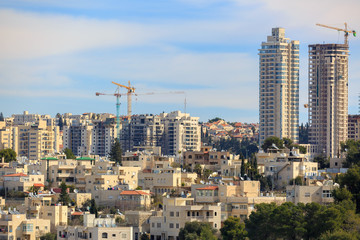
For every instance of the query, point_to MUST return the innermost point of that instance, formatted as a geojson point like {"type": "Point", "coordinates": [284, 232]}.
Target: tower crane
{"type": "Point", "coordinates": [131, 90]}
{"type": "Point", "coordinates": [117, 94]}
{"type": "Point", "coordinates": [346, 31]}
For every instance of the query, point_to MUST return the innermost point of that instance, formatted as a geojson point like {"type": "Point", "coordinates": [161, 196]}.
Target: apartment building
{"type": "Point", "coordinates": [140, 221]}
{"type": "Point", "coordinates": [146, 160]}
{"type": "Point", "coordinates": [279, 87]}
{"type": "Point", "coordinates": [103, 136]}
{"type": "Point", "coordinates": [178, 211]}
{"type": "Point", "coordinates": [182, 133]}
{"type": "Point", "coordinates": [95, 228]}
{"type": "Point", "coordinates": [43, 206]}
{"type": "Point", "coordinates": [14, 225]}
{"type": "Point", "coordinates": [167, 180]}
{"type": "Point", "coordinates": [354, 127]}
{"type": "Point", "coordinates": [8, 137]}
{"type": "Point", "coordinates": [78, 138]}
{"type": "Point", "coordinates": [308, 194]}
{"type": "Point", "coordinates": [22, 182]}
{"type": "Point", "coordinates": [21, 119]}
{"type": "Point", "coordinates": [145, 130]}
{"type": "Point", "coordinates": [328, 97]}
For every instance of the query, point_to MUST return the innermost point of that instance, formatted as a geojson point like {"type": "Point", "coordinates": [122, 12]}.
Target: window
{"type": "Point", "coordinates": [49, 214]}
{"type": "Point", "coordinates": [123, 235]}
{"type": "Point", "coordinates": [326, 194]}
{"type": "Point", "coordinates": [153, 225]}
{"type": "Point", "coordinates": [177, 214]}
{"type": "Point", "coordinates": [28, 227]}
{"type": "Point", "coordinates": [177, 225]}
{"type": "Point", "coordinates": [104, 235]}
{"type": "Point", "coordinates": [114, 235]}
{"type": "Point", "coordinates": [307, 194]}
{"type": "Point", "coordinates": [171, 214]}
{"type": "Point", "coordinates": [171, 225]}
{"type": "Point", "coordinates": [158, 225]}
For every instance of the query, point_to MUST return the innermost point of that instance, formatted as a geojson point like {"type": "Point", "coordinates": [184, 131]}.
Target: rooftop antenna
{"type": "Point", "coordinates": [185, 106]}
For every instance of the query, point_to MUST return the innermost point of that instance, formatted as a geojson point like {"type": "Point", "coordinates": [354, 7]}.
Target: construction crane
{"type": "Point", "coordinates": [131, 90]}
{"type": "Point", "coordinates": [117, 94]}
{"type": "Point", "coordinates": [346, 31]}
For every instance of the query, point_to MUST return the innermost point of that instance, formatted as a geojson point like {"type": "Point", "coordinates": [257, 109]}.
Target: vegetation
{"type": "Point", "coordinates": [304, 133]}
{"type": "Point", "coordinates": [93, 208]}
{"type": "Point", "coordinates": [197, 231]}
{"type": "Point", "coordinates": [232, 229]}
{"type": "Point", "coordinates": [69, 154]}
{"type": "Point", "coordinates": [245, 148]}
{"type": "Point", "coordinates": [64, 195]}
{"type": "Point", "coordinates": [215, 120]}
{"type": "Point", "coordinates": [271, 141]}
{"type": "Point", "coordinates": [297, 181]}
{"type": "Point", "coordinates": [323, 161]}
{"type": "Point", "coordinates": [145, 236]}
{"type": "Point", "coordinates": [310, 221]}
{"type": "Point", "coordinates": [352, 149]}
{"type": "Point", "coordinates": [8, 154]}
{"type": "Point", "coordinates": [48, 236]}
{"type": "Point", "coordinates": [116, 152]}
{"type": "Point", "coordinates": [2, 117]}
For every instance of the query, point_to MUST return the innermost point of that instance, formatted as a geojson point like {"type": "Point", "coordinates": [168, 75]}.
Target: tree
{"type": "Point", "coordinates": [215, 119]}
{"type": "Point", "coordinates": [260, 223]}
{"type": "Point", "coordinates": [8, 154]}
{"type": "Point", "coordinates": [64, 195]}
{"type": "Point", "coordinates": [233, 229]}
{"type": "Point", "coordinates": [304, 134]}
{"type": "Point", "coordinates": [270, 141]}
{"type": "Point", "coordinates": [61, 123]}
{"type": "Point", "coordinates": [48, 236]}
{"type": "Point", "coordinates": [323, 161]}
{"type": "Point", "coordinates": [198, 169]}
{"type": "Point", "coordinates": [197, 230]}
{"type": "Point", "coordinates": [297, 181]}
{"type": "Point", "coordinates": [206, 173]}
{"type": "Point", "coordinates": [242, 168]}
{"type": "Point", "coordinates": [69, 154]}
{"type": "Point", "coordinates": [288, 143]}
{"type": "Point", "coordinates": [93, 208]}
{"type": "Point", "coordinates": [341, 194]}
{"type": "Point", "coordinates": [116, 152]}
{"type": "Point", "coordinates": [351, 181]}
{"type": "Point", "coordinates": [352, 149]}
{"type": "Point", "coordinates": [1, 117]}
{"type": "Point", "coordinates": [144, 236]}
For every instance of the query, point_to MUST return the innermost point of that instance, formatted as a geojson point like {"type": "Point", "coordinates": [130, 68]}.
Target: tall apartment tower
{"type": "Point", "coordinates": [328, 97]}
{"type": "Point", "coordinates": [279, 87]}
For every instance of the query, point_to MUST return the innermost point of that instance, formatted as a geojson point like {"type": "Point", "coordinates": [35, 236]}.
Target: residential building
{"type": "Point", "coordinates": [328, 97]}
{"type": "Point", "coordinates": [22, 182]}
{"type": "Point", "coordinates": [14, 225]}
{"type": "Point", "coordinates": [140, 221]}
{"type": "Point", "coordinates": [95, 228]}
{"type": "Point", "coordinates": [354, 127]}
{"type": "Point", "coordinates": [178, 211]}
{"type": "Point", "coordinates": [279, 87]}
{"type": "Point", "coordinates": [307, 194]}
{"type": "Point", "coordinates": [103, 136]}
{"type": "Point", "coordinates": [78, 137]}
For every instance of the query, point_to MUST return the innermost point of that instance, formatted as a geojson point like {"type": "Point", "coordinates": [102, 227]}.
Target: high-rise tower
{"type": "Point", "coordinates": [279, 87]}
{"type": "Point", "coordinates": [328, 97]}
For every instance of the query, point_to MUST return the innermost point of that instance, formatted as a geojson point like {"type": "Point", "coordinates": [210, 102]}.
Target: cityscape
{"type": "Point", "coordinates": [178, 121]}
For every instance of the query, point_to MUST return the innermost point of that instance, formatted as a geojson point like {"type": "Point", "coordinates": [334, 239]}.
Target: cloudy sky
{"type": "Point", "coordinates": [54, 55]}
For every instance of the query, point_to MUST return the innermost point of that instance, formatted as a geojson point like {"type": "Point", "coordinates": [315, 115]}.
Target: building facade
{"type": "Point", "coordinates": [328, 97]}
{"type": "Point", "coordinates": [279, 87]}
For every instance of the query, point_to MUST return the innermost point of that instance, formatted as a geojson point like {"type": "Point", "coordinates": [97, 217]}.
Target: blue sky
{"type": "Point", "coordinates": [56, 54]}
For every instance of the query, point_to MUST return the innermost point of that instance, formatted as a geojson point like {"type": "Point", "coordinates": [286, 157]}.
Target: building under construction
{"type": "Point", "coordinates": [328, 97]}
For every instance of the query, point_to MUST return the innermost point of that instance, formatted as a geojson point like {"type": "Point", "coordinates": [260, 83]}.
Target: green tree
{"type": "Point", "coordinates": [302, 149]}
{"type": "Point", "coordinates": [304, 134]}
{"type": "Point", "coordinates": [206, 173]}
{"type": "Point", "coordinates": [297, 181]}
{"type": "Point", "coordinates": [198, 169]}
{"type": "Point", "coordinates": [288, 143]}
{"type": "Point", "coordinates": [1, 117]}
{"type": "Point", "coordinates": [242, 168]}
{"type": "Point", "coordinates": [93, 208]}
{"type": "Point", "coordinates": [270, 141]}
{"type": "Point", "coordinates": [61, 123]}
{"type": "Point", "coordinates": [323, 161]}
{"type": "Point", "coordinates": [64, 195]}
{"type": "Point", "coordinates": [48, 236]}
{"type": "Point", "coordinates": [116, 152]}
{"type": "Point", "coordinates": [8, 154]}
{"type": "Point", "coordinates": [341, 194]}
{"type": "Point", "coordinates": [69, 154]}
{"type": "Point", "coordinates": [351, 181]}
{"type": "Point", "coordinates": [144, 236]}
{"type": "Point", "coordinates": [352, 149]}
{"type": "Point", "coordinates": [233, 229]}
{"type": "Point", "coordinates": [197, 230]}
{"type": "Point", "coordinates": [215, 119]}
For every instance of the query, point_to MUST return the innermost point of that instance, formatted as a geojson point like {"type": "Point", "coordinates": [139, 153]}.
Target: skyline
{"type": "Point", "coordinates": [56, 55]}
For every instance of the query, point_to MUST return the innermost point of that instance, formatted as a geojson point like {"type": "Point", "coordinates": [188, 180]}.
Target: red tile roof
{"type": "Point", "coordinates": [208, 188]}
{"type": "Point", "coordinates": [133, 192]}
{"type": "Point", "coordinates": [38, 185]}
{"type": "Point", "coordinates": [77, 213]}
{"type": "Point", "coordinates": [16, 175]}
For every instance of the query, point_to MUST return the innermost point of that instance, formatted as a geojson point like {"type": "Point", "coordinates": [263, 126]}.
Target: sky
{"type": "Point", "coordinates": [55, 55]}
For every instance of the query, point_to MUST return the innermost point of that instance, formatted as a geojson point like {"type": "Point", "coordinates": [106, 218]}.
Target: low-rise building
{"type": "Point", "coordinates": [307, 194]}
{"type": "Point", "coordinates": [95, 228]}
{"type": "Point", "coordinates": [140, 221]}
{"type": "Point", "coordinates": [178, 211]}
